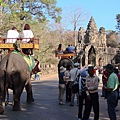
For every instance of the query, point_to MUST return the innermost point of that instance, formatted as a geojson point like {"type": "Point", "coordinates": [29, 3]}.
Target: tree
{"type": "Point", "coordinates": [76, 17]}
{"type": "Point", "coordinates": [112, 38]}
{"type": "Point", "coordinates": [41, 9]}
{"type": "Point", "coordinates": [37, 13]}
{"type": "Point", "coordinates": [19, 12]}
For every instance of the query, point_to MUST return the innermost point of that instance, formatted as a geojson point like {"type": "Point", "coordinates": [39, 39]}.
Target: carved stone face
{"type": "Point", "coordinates": [101, 30]}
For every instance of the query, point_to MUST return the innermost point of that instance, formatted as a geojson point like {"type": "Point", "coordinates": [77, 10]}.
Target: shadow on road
{"type": "Point", "coordinates": [46, 105]}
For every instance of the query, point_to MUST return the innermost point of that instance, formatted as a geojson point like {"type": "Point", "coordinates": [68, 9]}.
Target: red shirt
{"type": "Point", "coordinates": [105, 76]}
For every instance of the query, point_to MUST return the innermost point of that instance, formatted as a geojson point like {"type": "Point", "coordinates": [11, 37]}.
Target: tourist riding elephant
{"type": "Point", "coordinates": [14, 74]}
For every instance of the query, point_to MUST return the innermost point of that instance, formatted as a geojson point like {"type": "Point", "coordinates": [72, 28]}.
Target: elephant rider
{"type": "Point", "coordinates": [12, 35]}
{"type": "Point", "coordinates": [28, 37]}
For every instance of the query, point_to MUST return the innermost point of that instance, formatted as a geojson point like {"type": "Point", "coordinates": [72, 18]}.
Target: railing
{"type": "Point", "coordinates": [65, 55]}
{"type": "Point", "coordinates": [34, 43]}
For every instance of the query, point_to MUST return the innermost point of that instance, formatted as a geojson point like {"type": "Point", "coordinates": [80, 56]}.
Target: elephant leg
{"type": "Point", "coordinates": [16, 104]}
{"type": "Point", "coordinates": [2, 101]}
{"type": "Point", "coordinates": [28, 88]}
{"type": "Point", "coordinates": [1, 105]}
{"type": "Point", "coordinates": [16, 98]}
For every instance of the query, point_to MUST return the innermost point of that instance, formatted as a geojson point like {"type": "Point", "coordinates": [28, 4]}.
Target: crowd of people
{"type": "Point", "coordinates": [87, 93]}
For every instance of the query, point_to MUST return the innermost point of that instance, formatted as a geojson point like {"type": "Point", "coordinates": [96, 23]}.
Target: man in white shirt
{"type": "Point", "coordinates": [12, 35]}
{"type": "Point", "coordinates": [92, 82]}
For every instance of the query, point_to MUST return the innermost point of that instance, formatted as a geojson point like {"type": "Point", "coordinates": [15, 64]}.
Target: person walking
{"type": "Point", "coordinates": [61, 85]}
{"type": "Point", "coordinates": [92, 82]}
{"type": "Point", "coordinates": [74, 73]}
{"type": "Point", "coordinates": [117, 73]}
{"type": "Point", "coordinates": [68, 82]}
{"type": "Point", "coordinates": [82, 92]}
{"type": "Point", "coordinates": [36, 70]}
{"type": "Point", "coordinates": [112, 85]}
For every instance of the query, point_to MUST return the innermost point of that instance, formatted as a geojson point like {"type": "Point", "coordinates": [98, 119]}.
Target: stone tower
{"type": "Point", "coordinates": [91, 32]}
{"type": "Point", "coordinates": [92, 43]}
{"type": "Point", "coordinates": [92, 35]}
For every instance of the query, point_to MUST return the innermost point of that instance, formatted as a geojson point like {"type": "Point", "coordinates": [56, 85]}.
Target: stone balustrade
{"type": "Point", "coordinates": [48, 69]}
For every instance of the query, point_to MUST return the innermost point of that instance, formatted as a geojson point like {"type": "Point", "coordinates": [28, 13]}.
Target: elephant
{"type": "Point", "coordinates": [14, 74]}
{"type": "Point", "coordinates": [64, 62]}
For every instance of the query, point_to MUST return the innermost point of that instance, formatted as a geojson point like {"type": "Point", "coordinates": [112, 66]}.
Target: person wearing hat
{"type": "Point", "coordinates": [74, 72]}
{"type": "Point", "coordinates": [92, 82]}
{"type": "Point", "coordinates": [112, 85]}
{"type": "Point", "coordinates": [61, 85]}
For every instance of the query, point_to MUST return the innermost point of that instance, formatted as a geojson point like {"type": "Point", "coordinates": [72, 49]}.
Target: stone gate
{"type": "Point", "coordinates": [92, 43]}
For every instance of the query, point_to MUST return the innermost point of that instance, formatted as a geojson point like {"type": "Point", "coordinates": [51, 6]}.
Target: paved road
{"type": "Point", "coordinates": [46, 105]}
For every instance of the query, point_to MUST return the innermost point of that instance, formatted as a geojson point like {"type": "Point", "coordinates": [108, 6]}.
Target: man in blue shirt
{"type": "Point", "coordinates": [70, 49]}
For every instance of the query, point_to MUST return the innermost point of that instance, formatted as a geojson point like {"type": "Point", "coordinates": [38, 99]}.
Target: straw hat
{"type": "Point", "coordinates": [62, 69]}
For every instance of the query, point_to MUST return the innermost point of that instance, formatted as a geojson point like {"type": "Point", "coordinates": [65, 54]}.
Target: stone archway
{"type": "Point", "coordinates": [100, 61]}
{"type": "Point", "coordinates": [92, 56]}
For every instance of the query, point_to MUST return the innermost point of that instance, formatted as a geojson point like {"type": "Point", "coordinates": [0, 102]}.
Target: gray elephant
{"type": "Point", "coordinates": [64, 62]}
{"type": "Point", "coordinates": [14, 74]}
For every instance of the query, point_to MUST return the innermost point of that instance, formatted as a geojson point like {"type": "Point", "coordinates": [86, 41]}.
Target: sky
{"type": "Point", "coordinates": [103, 11]}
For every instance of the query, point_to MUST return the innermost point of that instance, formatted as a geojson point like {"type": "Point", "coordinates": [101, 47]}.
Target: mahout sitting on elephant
{"type": "Point", "coordinates": [15, 74]}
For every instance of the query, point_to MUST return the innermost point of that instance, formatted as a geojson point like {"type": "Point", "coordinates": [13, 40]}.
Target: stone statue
{"type": "Point", "coordinates": [81, 34]}
{"type": "Point", "coordinates": [102, 36]}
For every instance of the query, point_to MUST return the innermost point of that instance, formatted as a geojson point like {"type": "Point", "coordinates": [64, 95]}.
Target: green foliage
{"type": "Point", "coordinates": [0, 2]}
{"type": "Point", "coordinates": [112, 39]}
{"type": "Point", "coordinates": [18, 12]}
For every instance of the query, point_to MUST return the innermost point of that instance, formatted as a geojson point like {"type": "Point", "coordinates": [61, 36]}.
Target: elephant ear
{"type": "Point", "coordinates": [36, 69]}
